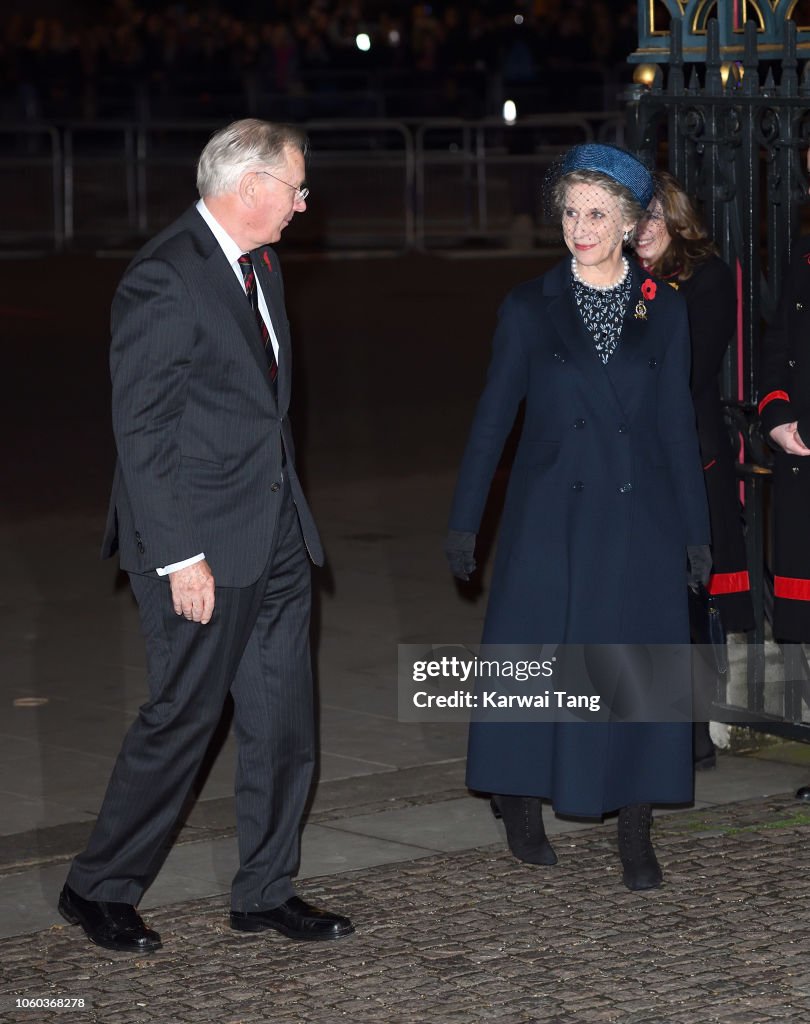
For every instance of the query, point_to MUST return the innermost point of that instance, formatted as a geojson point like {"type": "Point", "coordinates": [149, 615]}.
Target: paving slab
{"type": "Point", "coordinates": [195, 869]}
{"type": "Point", "coordinates": [740, 778]}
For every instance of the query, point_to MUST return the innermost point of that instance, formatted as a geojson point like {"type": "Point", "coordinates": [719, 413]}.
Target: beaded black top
{"type": "Point", "coordinates": [602, 311]}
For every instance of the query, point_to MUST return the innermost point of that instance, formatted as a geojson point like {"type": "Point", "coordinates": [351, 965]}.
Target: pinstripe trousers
{"type": "Point", "coordinates": [257, 647]}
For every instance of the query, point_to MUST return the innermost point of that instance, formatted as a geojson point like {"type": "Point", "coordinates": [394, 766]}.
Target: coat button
{"type": "Point", "coordinates": [137, 535]}
{"type": "Point", "coordinates": [792, 363]}
{"type": "Point", "coordinates": [141, 548]}
{"type": "Point", "coordinates": [653, 363]}
{"type": "Point", "coordinates": [799, 306]}
{"type": "Point", "coordinates": [275, 486]}
{"type": "Point", "coordinates": [623, 428]}
{"type": "Point", "coordinates": [559, 357]}
{"type": "Point", "coordinates": [625, 488]}
{"type": "Point", "coordinates": [577, 485]}
{"type": "Point", "coordinates": [795, 470]}
{"type": "Point", "coordinates": [579, 424]}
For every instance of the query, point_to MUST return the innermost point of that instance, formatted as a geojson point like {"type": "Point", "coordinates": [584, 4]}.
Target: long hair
{"type": "Point", "coordinates": [690, 243]}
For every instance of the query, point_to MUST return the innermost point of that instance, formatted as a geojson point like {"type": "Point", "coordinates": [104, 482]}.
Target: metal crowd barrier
{"type": "Point", "coordinates": [474, 179]}
{"type": "Point", "coordinates": [376, 183]}
{"type": "Point", "coordinates": [32, 209]}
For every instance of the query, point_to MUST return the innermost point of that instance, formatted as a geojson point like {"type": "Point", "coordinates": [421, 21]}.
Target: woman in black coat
{"type": "Point", "coordinates": [605, 497]}
{"type": "Point", "coordinates": [672, 243]}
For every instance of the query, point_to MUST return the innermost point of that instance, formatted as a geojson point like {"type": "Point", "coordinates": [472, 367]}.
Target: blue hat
{"type": "Point", "coordinates": [616, 163]}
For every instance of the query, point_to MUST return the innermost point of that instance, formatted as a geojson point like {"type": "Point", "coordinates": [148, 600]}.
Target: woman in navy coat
{"type": "Point", "coordinates": [672, 243]}
{"type": "Point", "coordinates": [605, 503]}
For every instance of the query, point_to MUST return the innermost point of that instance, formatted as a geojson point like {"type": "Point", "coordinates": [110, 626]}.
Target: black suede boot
{"type": "Point", "coordinates": [641, 869]}
{"type": "Point", "coordinates": [523, 820]}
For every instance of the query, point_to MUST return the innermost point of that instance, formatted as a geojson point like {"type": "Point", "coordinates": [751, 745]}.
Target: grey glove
{"type": "Point", "coordinates": [699, 561]}
{"type": "Point", "coordinates": [459, 547]}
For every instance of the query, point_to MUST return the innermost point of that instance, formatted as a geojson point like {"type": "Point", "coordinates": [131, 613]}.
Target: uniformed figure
{"type": "Point", "coordinates": [672, 243]}
{"type": "Point", "coordinates": [605, 509]}
{"type": "Point", "coordinates": [785, 412]}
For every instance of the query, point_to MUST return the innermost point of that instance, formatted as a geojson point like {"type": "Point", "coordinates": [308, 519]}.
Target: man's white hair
{"type": "Point", "coordinates": [242, 146]}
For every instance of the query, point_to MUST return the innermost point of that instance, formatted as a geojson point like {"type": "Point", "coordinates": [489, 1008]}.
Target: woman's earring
{"type": "Point", "coordinates": [627, 235]}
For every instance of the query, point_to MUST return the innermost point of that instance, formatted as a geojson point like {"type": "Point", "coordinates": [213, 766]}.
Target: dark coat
{"type": "Point", "coordinates": [605, 493]}
{"type": "Point", "coordinates": [711, 303]}
{"type": "Point", "coordinates": [784, 397]}
{"type": "Point", "coordinates": [183, 330]}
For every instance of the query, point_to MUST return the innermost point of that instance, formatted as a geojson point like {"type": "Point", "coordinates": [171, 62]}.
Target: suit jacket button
{"type": "Point", "coordinates": [625, 488]}
{"type": "Point", "coordinates": [141, 548]}
{"type": "Point", "coordinates": [274, 486]}
{"type": "Point", "coordinates": [623, 428]}
{"type": "Point", "coordinates": [577, 485]}
{"type": "Point", "coordinates": [653, 363]}
{"type": "Point", "coordinates": [579, 424]}
{"type": "Point", "coordinates": [795, 470]}
{"type": "Point", "coordinates": [792, 363]}
{"type": "Point", "coordinates": [799, 306]}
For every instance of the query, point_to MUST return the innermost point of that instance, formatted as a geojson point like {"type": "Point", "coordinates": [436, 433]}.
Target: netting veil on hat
{"type": "Point", "coordinates": [616, 163]}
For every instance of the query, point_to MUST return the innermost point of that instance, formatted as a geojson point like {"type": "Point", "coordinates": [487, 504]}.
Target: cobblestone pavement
{"type": "Point", "coordinates": [478, 936]}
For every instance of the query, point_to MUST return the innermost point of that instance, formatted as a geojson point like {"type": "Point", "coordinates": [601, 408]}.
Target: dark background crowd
{"type": "Point", "coordinates": [299, 59]}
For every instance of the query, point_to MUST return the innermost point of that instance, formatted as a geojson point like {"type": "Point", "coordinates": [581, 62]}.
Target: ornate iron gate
{"type": "Point", "coordinates": [733, 131]}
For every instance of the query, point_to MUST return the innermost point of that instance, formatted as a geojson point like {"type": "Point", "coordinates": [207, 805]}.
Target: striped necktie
{"type": "Point", "coordinates": [249, 274]}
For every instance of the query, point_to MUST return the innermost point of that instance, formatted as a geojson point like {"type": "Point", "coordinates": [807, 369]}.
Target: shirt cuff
{"type": "Point", "coordinates": [166, 569]}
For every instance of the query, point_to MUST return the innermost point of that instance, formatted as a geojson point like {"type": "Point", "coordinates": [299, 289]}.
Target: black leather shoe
{"type": "Point", "coordinates": [115, 926]}
{"type": "Point", "coordinates": [295, 919]}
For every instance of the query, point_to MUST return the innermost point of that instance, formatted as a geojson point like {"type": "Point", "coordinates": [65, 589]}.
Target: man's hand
{"type": "Point", "coordinates": [193, 592]}
{"type": "Point", "coordinates": [786, 435]}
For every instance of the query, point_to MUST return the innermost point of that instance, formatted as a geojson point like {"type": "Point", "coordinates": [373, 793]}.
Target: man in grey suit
{"type": "Point", "coordinates": [211, 524]}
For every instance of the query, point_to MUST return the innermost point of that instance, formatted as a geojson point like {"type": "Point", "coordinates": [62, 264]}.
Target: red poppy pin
{"type": "Point", "coordinates": [266, 259]}
{"type": "Point", "coordinates": [648, 290]}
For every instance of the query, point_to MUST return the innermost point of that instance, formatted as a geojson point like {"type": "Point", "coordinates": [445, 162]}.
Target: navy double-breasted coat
{"type": "Point", "coordinates": [605, 493]}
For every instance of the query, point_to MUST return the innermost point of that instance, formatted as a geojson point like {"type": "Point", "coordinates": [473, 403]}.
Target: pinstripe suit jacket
{"type": "Point", "coordinates": [197, 426]}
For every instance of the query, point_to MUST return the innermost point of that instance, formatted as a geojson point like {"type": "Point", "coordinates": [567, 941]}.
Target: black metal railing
{"type": "Point", "coordinates": [733, 132]}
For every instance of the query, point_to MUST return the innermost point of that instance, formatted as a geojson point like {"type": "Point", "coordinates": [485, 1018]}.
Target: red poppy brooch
{"type": "Point", "coordinates": [648, 290]}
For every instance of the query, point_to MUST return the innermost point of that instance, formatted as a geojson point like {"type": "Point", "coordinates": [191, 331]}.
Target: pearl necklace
{"type": "Point", "coordinates": [600, 287]}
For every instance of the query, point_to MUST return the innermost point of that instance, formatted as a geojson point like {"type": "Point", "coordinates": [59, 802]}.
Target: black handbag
{"type": "Point", "coordinates": [706, 626]}
{"type": "Point", "coordinates": [709, 653]}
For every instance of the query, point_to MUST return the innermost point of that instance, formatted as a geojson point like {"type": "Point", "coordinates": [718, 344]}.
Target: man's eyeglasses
{"type": "Point", "coordinates": [300, 193]}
